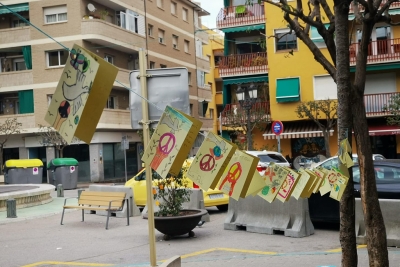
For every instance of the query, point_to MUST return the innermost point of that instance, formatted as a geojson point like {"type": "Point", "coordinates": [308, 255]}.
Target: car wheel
{"type": "Point", "coordinates": [223, 207]}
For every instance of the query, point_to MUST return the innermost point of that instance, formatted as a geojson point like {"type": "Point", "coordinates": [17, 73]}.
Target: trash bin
{"type": "Point", "coordinates": [23, 171]}
{"type": "Point", "coordinates": [63, 171]}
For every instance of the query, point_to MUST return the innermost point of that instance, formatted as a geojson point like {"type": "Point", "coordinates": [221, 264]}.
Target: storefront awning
{"type": "Point", "coordinates": [244, 28]}
{"type": "Point", "coordinates": [383, 130]}
{"type": "Point", "coordinates": [14, 8]}
{"type": "Point", "coordinates": [246, 80]}
{"type": "Point", "coordinates": [300, 129]}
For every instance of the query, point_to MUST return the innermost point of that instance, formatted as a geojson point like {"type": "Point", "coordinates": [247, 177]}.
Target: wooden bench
{"type": "Point", "coordinates": [94, 200]}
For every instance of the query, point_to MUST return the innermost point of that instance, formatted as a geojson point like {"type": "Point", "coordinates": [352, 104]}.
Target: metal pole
{"type": "Point", "coordinates": [248, 132]}
{"type": "Point", "coordinates": [146, 139]}
{"type": "Point", "coordinates": [126, 173]}
{"type": "Point", "coordinates": [279, 143]}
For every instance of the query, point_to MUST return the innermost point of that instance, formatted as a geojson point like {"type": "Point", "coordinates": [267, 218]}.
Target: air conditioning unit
{"type": "Point", "coordinates": [160, 40]}
{"type": "Point", "coordinates": [175, 46]}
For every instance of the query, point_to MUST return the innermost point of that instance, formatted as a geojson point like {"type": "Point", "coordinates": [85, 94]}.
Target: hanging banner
{"type": "Point", "coordinates": [274, 177]}
{"type": "Point", "coordinates": [171, 142]}
{"type": "Point", "coordinates": [210, 161]}
{"type": "Point", "coordinates": [81, 95]}
{"type": "Point", "coordinates": [237, 175]}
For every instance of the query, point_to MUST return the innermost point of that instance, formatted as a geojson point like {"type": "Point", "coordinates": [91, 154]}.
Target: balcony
{"type": "Point", "coordinates": [203, 63]}
{"type": "Point", "coordinates": [202, 34]}
{"type": "Point", "coordinates": [207, 123]}
{"type": "Point", "coordinates": [361, 8]}
{"type": "Point", "coordinates": [15, 35]}
{"type": "Point", "coordinates": [123, 77]}
{"type": "Point", "coordinates": [381, 51]}
{"type": "Point", "coordinates": [16, 78]}
{"type": "Point", "coordinates": [27, 120]}
{"type": "Point", "coordinates": [234, 16]}
{"type": "Point", "coordinates": [115, 119]}
{"type": "Point", "coordinates": [374, 104]}
{"type": "Point", "coordinates": [234, 115]}
{"type": "Point", "coordinates": [243, 64]}
{"type": "Point", "coordinates": [204, 92]}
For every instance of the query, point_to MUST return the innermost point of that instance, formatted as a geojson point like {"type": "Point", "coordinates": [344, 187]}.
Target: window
{"type": "Point", "coordinates": [112, 102]}
{"type": "Point", "coordinates": [185, 14]}
{"type": "Point", "coordinates": [173, 8]}
{"type": "Point", "coordinates": [211, 110]}
{"type": "Point", "coordinates": [199, 48]}
{"type": "Point", "coordinates": [201, 78]}
{"type": "Point", "coordinates": [189, 78]}
{"type": "Point", "coordinates": [49, 98]}
{"type": "Point", "coordinates": [109, 59]}
{"type": "Point", "coordinates": [324, 88]}
{"type": "Point", "coordinates": [150, 30]}
{"type": "Point", "coordinates": [288, 90]}
{"type": "Point", "coordinates": [55, 14]}
{"type": "Point", "coordinates": [160, 3]}
{"type": "Point", "coordinates": [284, 40]}
{"type": "Point", "coordinates": [56, 58]}
{"type": "Point", "coordinates": [316, 37]}
{"type": "Point", "coordinates": [152, 65]}
{"type": "Point", "coordinates": [175, 41]}
{"type": "Point", "coordinates": [20, 23]}
{"type": "Point", "coordinates": [191, 109]}
{"type": "Point", "coordinates": [163, 66]}
{"type": "Point", "coordinates": [203, 106]}
{"type": "Point", "coordinates": [161, 36]}
{"type": "Point", "coordinates": [19, 64]}
{"type": "Point", "coordinates": [186, 46]}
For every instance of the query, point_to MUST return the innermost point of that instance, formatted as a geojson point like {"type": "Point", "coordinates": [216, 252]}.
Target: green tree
{"type": "Point", "coordinates": [351, 110]}
{"type": "Point", "coordinates": [323, 113]}
{"type": "Point", "coordinates": [393, 107]}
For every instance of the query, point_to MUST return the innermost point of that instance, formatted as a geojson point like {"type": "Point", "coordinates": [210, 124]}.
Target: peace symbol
{"type": "Point", "coordinates": [207, 163]}
{"type": "Point", "coordinates": [234, 171]}
{"type": "Point", "coordinates": [166, 147]}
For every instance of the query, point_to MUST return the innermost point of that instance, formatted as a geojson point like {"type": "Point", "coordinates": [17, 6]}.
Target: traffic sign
{"type": "Point", "coordinates": [277, 127]}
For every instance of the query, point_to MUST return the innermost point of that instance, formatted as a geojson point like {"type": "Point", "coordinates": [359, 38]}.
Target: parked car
{"type": "Point", "coordinates": [211, 197]}
{"type": "Point", "coordinates": [387, 174]}
{"type": "Point", "coordinates": [267, 157]}
{"type": "Point", "coordinates": [333, 161]}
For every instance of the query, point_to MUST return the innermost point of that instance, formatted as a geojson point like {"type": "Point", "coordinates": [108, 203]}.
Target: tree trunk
{"type": "Point", "coordinates": [327, 147]}
{"type": "Point", "coordinates": [374, 224]}
{"type": "Point", "coordinates": [347, 217]}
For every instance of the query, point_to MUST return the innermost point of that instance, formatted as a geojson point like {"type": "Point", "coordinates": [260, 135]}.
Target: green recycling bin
{"type": "Point", "coordinates": [63, 171]}
{"type": "Point", "coordinates": [23, 171]}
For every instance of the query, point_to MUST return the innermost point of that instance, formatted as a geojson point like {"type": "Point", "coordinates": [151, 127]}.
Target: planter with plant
{"type": "Point", "coordinates": [169, 195]}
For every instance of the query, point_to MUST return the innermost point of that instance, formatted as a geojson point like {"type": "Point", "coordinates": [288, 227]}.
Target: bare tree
{"type": "Point", "coordinates": [323, 113]}
{"type": "Point", "coordinates": [50, 137]}
{"type": "Point", "coordinates": [8, 128]}
{"type": "Point", "coordinates": [318, 14]}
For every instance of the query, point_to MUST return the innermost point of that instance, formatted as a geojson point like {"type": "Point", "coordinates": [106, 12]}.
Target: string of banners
{"type": "Point", "coordinates": [219, 164]}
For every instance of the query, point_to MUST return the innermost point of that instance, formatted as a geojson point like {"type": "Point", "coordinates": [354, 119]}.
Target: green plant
{"type": "Point", "coordinates": [103, 14]}
{"type": "Point", "coordinates": [171, 193]}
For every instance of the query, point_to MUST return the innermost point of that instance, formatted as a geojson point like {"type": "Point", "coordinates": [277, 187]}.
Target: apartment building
{"type": "Point", "coordinates": [31, 64]}
{"type": "Point", "coordinates": [290, 82]}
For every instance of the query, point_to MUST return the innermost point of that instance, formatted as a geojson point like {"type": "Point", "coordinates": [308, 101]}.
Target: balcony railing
{"type": "Point", "coordinates": [374, 103]}
{"type": "Point", "coordinates": [378, 51]}
{"type": "Point", "coordinates": [243, 64]}
{"type": "Point", "coordinates": [233, 16]}
{"type": "Point", "coordinates": [361, 7]}
{"type": "Point", "coordinates": [234, 115]}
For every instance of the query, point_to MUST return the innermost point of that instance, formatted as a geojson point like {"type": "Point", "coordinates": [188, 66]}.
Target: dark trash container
{"type": "Point", "coordinates": [23, 171]}
{"type": "Point", "coordinates": [63, 171]}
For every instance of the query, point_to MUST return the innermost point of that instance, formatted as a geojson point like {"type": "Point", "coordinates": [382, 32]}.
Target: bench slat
{"type": "Point", "coordinates": [101, 202]}
{"type": "Point", "coordinates": [89, 208]}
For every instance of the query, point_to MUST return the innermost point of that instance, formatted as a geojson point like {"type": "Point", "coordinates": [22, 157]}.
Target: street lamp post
{"type": "Point", "coordinates": [247, 96]}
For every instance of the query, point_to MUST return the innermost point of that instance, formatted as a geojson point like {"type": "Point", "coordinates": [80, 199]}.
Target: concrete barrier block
{"type": "Point", "coordinates": [196, 202]}
{"type": "Point", "coordinates": [172, 262]}
{"type": "Point", "coordinates": [256, 215]}
{"type": "Point", "coordinates": [134, 210]}
{"type": "Point", "coordinates": [391, 215]}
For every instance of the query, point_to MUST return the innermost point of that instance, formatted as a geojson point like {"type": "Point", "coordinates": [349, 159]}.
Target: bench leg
{"type": "Point", "coordinates": [62, 216]}
{"type": "Point", "coordinates": [83, 215]}
{"type": "Point", "coordinates": [108, 217]}
{"type": "Point", "coordinates": [127, 211]}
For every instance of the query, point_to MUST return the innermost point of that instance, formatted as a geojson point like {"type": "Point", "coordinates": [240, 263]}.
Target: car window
{"type": "Point", "coordinates": [330, 163]}
{"type": "Point", "coordinates": [379, 158]}
{"type": "Point", "coordinates": [272, 158]}
{"type": "Point", "coordinates": [383, 174]}
{"type": "Point", "coordinates": [142, 176]}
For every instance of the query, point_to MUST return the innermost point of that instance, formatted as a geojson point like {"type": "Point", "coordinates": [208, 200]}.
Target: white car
{"type": "Point", "coordinates": [266, 157]}
{"type": "Point", "coordinates": [333, 161]}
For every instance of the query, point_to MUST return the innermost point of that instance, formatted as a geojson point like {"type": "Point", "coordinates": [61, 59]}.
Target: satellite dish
{"type": "Point", "coordinates": [91, 7]}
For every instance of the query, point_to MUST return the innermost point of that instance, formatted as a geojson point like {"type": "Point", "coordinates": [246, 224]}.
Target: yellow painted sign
{"type": "Point", "coordinates": [288, 185]}
{"type": "Point", "coordinates": [81, 95]}
{"type": "Point", "coordinates": [210, 161]}
{"type": "Point", "coordinates": [274, 177]}
{"type": "Point", "coordinates": [338, 187]}
{"type": "Point", "coordinates": [171, 142]}
{"type": "Point", "coordinates": [303, 184]}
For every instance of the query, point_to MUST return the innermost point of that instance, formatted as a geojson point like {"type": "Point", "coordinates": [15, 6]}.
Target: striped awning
{"type": "Point", "coordinates": [299, 129]}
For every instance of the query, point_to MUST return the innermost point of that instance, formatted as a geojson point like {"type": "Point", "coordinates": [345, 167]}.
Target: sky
{"type": "Point", "coordinates": [213, 7]}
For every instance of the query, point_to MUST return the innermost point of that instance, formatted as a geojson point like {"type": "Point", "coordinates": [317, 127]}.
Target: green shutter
{"type": "Point", "coordinates": [315, 36]}
{"type": "Point", "coordinates": [26, 101]}
{"type": "Point", "coordinates": [226, 95]}
{"type": "Point", "coordinates": [287, 90]}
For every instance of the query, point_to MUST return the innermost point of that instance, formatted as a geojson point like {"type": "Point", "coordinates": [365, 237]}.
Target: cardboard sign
{"type": "Point", "coordinates": [314, 182]}
{"type": "Point", "coordinates": [81, 95]}
{"type": "Point", "coordinates": [343, 154]}
{"type": "Point", "coordinates": [236, 177]}
{"type": "Point", "coordinates": [210, 161]}
{"type": "Point", "coordinates": [288, 185]}
{"type": "Point", "coordinates": [171, 142]}
{"type": "Point", "coordinates": [321, 176]}
{"type": "Point", "coordinates": [257, 183]}
{"type": "Point", "coordinates": [274, 177]}
{"type": "Point", "coordinates": [304, 182]}
{"type": "Point", "coordinates": [338, 187]}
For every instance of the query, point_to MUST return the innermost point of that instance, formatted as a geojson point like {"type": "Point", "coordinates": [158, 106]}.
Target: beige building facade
{"type": "Point", "coordinates": [31, 63]}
